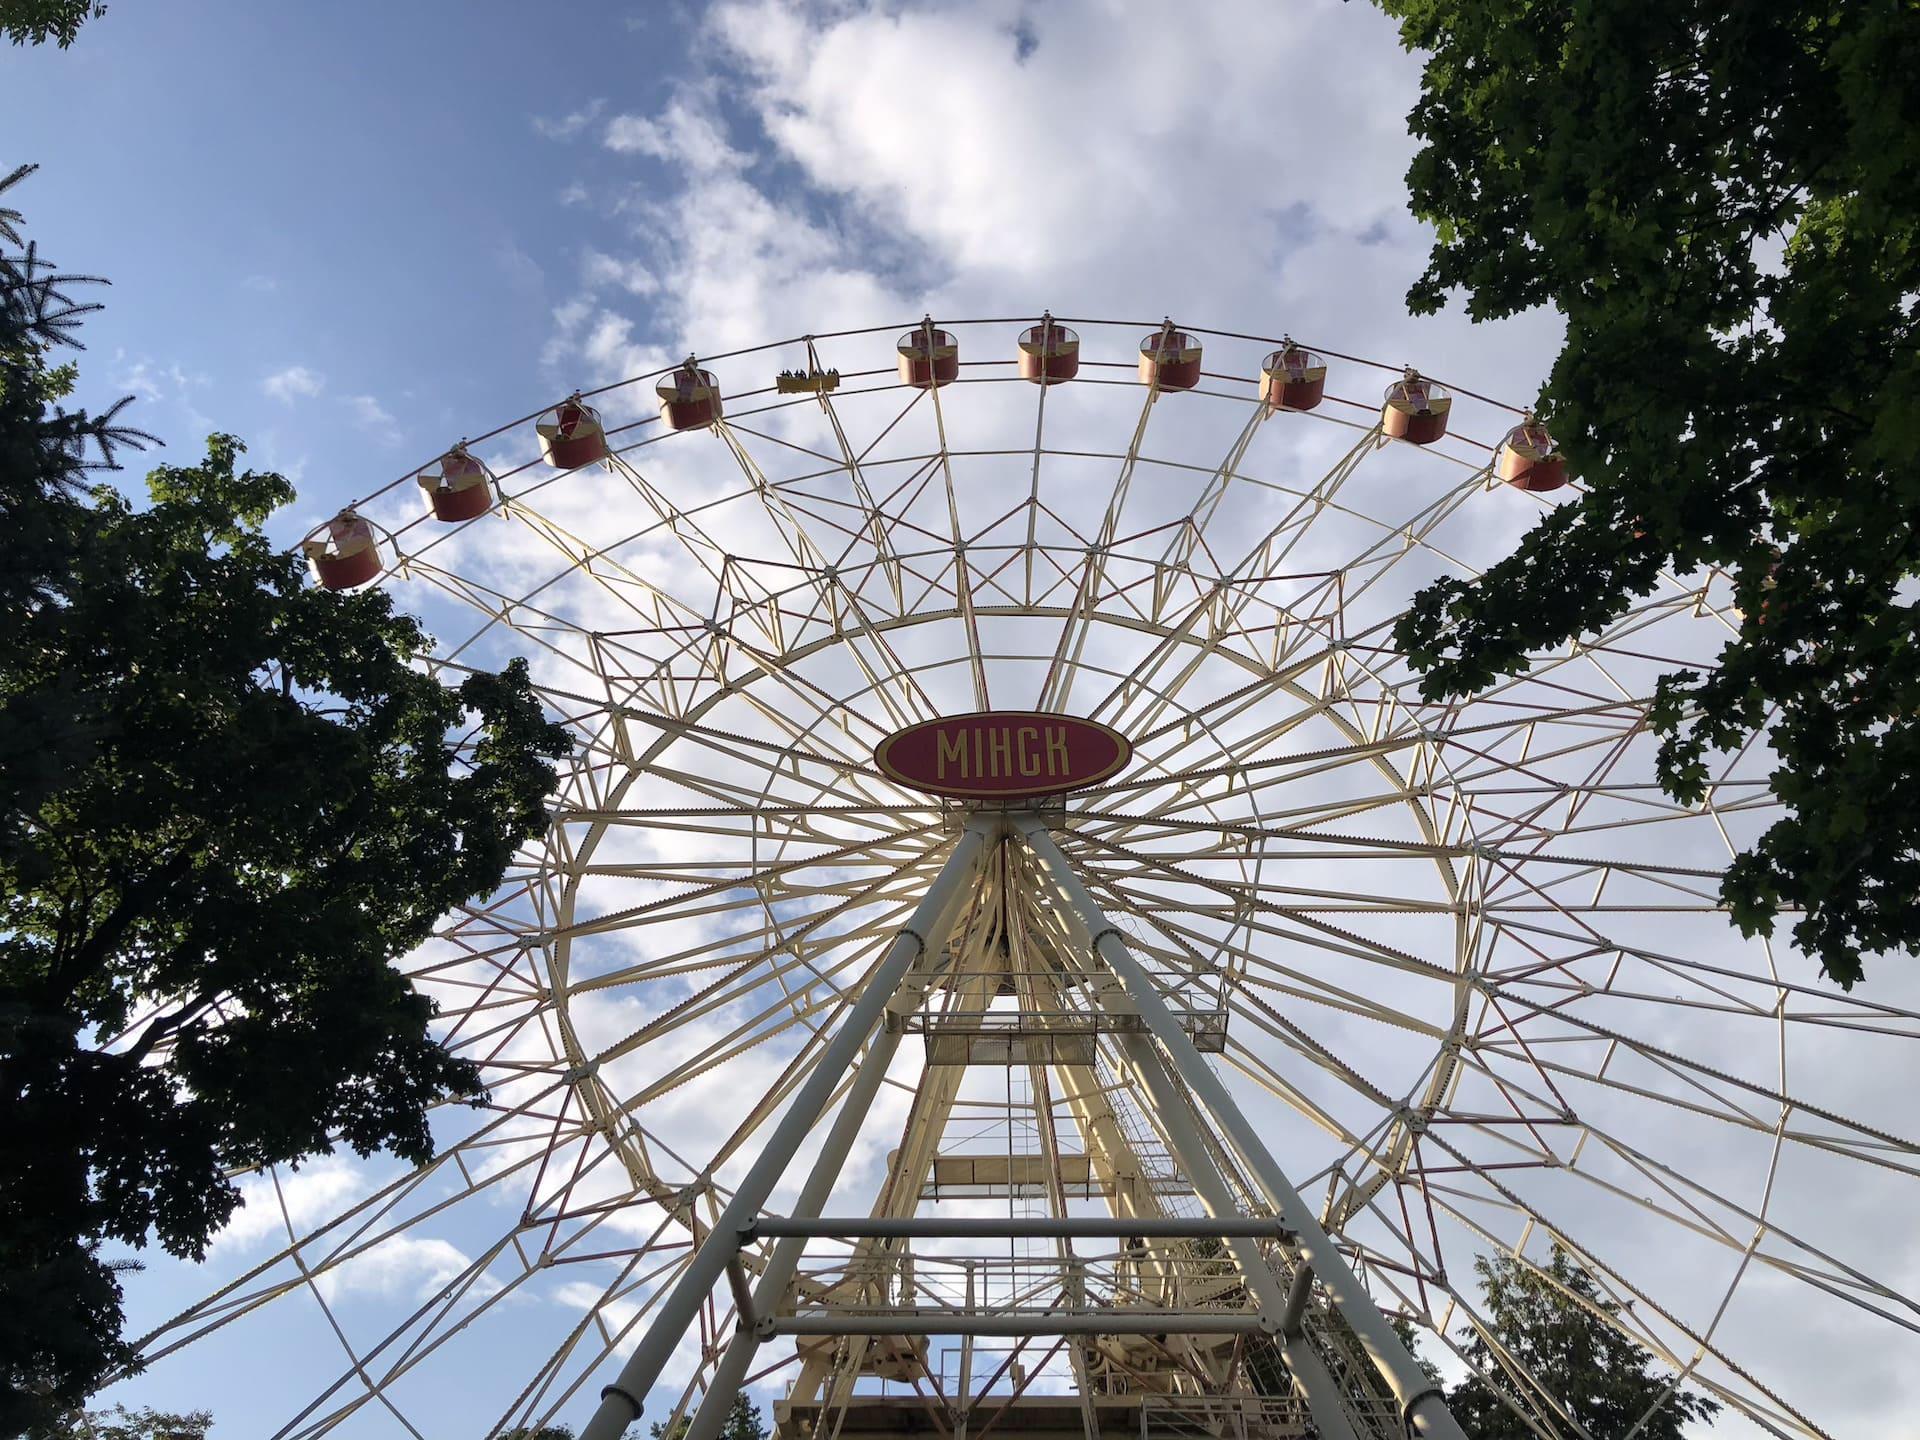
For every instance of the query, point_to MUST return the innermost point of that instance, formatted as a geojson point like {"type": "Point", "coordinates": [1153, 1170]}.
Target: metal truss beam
{"type": "Point", "coordinates": [620, 1403]}
{"type": "Point", "coordinates": [1421, 1401]}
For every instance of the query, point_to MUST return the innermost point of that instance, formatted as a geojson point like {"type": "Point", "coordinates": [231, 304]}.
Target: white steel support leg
{"type": "Point", "coordinates": [784, 1260]}
{"type": "Point", "coordinates": [1190, 1148]}
{"type": "Point", "coordinates": [620, 1402]}
{"type": "Point", "coordinates": [1420, 1399]}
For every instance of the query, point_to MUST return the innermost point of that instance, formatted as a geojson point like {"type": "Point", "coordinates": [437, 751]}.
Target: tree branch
{"type": "Point", "coordinates": [90, 956]}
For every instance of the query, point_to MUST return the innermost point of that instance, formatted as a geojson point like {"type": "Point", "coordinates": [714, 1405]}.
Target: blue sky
{"type": "Point", "coordinates": [316, 218]}
{"type": "Point", "coordinates": [359, 204]}
{"type": "Point", "coordinates": [352, 234]}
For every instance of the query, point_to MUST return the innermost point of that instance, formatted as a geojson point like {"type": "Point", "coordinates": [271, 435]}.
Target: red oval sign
{"type": "Point", "coordinates": [1002, 754]}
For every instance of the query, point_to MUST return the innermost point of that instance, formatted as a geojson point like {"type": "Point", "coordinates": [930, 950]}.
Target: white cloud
{"type": "Point", "coordinates": [369, 414]}
{"type": "Point", "coordinates": [170, 383]}
{"type": "Point", "coordinates": [840, 165]}
{"type": "Point", "coordinates": [521, 269]}
{"type": "Point", "coordinates": [315, 1192]}
{"type": "Point", "coordinates": [600, 270]}
{"type": "Point", "coordinates": [411, 1266]}
{"type": "Point", "coordinates": [294, 382]}
{"type": "Point", "coordinates": [1209, 164]}
{"type": "Point", "coordinates": [1205, 163]}
{"type": "Point", "coordinates": [686, 133]}
{"type": "Point", "coordinates": [567, 126]}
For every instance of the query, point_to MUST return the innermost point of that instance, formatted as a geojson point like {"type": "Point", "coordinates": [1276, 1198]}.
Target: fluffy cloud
{"type": "Point", "coordinates": [841, 165]}
{"type": "Point", "coordinates": [402, 1266]}
{"type": "Point", "coordinates": [565, 127]}
{"type": "Point", "coordinates": [296, 382]}
{"type": "Point", "coordinates": [686, 133]}
{"type": "Point", "coordinates": [600, 270]}
{"type": "Point", "coordinates": [369, 414]}
{"type": "Point", "coordinates": [304, 1197]}
{"type": "Point", "coordinates": [844, 164]}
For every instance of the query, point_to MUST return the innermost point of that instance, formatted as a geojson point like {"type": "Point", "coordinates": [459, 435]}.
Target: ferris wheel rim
{"type": "Point", "coordinates": [605, 1102]}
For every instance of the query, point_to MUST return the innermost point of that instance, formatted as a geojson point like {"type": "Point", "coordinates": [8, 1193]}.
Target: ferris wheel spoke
{"type": "Point", "coordinates": [651, 607]}
{"type": "Point", "coordinates": [962, 581]}
{"type": "Point", "coordinates": [823, 706]}
{"type": "Point", "coordinates": [847, 523]}
{"type": "Point", "coordinates": [856, 946]}
{"type": "Point", "coordinates": [1831, 1275]}
{"type": "Point", "coordinates": [888, 680]}
{"type": "Point", "coordinates": [755, 751]}
{"type": "Point", "coordinates": [637, 1293]}
{"type": "Point", "coordinates": [1654, 813]}
{"type": "Point", "coordinates": [1873, 1146]}
{"type": "Point", "coordinates": [1857, 1012]}
{"type": "Point", "coordinates": [1258, 1012]}
{"type": "Point", "coordinates": [1190, 536]}
{"type": "Point", "coordinates": [885, 671]}
{"type": "Point", "coordinates": [875, 531]}
{"type": "Point", "coordinates": [540, 629]}
{"type": "Point", "coordinates": [1180, 640]}
{"type": "Point", "coordinates": [726, 894]}
{"type": "Point", "coordinates": [540, 1385]}
{"type": "Point", "coordinates": [745, 977]}
{"type": "Point", "coordinates": [376, 1388]}
{"type": "Point", "coordinates": [1266, 556]}
{"type": "Point", "coordinates": [1374, 561]}
{"type": "Point", "coordinates": [721, 794]}
{"type": "Point", "coordinates": [1341, 845]}
{"type": "Point", "coordinates": [1057, 685]}
{"type": "Point", "coordinates": [683, 872]}
{"type": "Point", "coordinates": [1191, 942]}
{"type": "Point", "coordinates": [1310, 930]}
{"type": "Point", "coordinates": [1377, 561]}
{"type": "Point", "coordinates": [1140, 830]}
{"type": "Point", "coordinates": [805, 550]}
{"type": "Point", "coordinates": [683, 524]}
{"type": "Point", "coordinates": [1275, 770]}
{"type": "Point", "coordinates": [1326, 939]}
{"type": "Point", "coordinates": [353, 1226]}
{"type": "Point", "coordinates": [1452, 941]}
{"type": "Point", "coordinates": [1633, 1303]}
{"type": "Point", "coordinates": [1033, 505]}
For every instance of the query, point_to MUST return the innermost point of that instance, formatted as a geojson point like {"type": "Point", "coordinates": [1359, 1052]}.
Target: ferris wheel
{"type": "Point", "coordinates": [1012, 948]}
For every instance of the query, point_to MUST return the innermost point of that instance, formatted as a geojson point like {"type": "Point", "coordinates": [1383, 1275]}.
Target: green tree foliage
{"type": "Point", "coordinates": [33, 22]}
{"type": "Point", "coordinates": [228, 799]}
{"type": "Point", "coordinates": [1551, 1324]}
{"type": "Point", "coordinates": [545, 1432]}
{"type": "Point", "coordinates": [1723, 201]}
{"type": "Point", "coordinates": [743, 1422]}
{"type": "Point", "coordinates": [119, 1423]}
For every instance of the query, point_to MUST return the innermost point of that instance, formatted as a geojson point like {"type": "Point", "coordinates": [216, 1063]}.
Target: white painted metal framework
{"type": "Point", "coordinates": [1133, 1113]}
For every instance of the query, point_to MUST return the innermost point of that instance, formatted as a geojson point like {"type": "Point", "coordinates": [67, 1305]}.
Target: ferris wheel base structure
{"type": "Point", "coordinates": [1119, 984]}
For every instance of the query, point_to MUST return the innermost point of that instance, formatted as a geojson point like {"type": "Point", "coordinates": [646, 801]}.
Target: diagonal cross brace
{"type": "Point", "coordinates": [620, 1402]}
{"type": "Point", "coordinates": [1425, 1411]}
